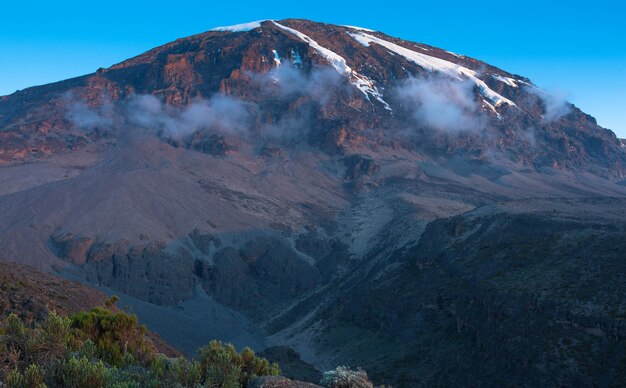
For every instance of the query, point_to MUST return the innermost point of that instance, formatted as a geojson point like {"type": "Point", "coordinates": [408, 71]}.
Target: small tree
{"type": "Point", "coordinates": [115, 335]}
{"type": "Point", "coordinates": [223, 366]}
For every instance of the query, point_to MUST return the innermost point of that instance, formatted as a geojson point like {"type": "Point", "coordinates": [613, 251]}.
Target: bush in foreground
{"type": "Point", "coordinates": [116, 335]}
{"type": "Point", "coordinates": [104, 347]}
{"type": "Point", "coordinates": [224, 367]}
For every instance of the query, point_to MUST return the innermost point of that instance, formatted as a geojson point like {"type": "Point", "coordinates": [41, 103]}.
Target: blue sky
{"type": "Point", "coordinates": [575, 48]}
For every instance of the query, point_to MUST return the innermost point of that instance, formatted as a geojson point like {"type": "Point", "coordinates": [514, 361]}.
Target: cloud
{"type": "Point", "coordinates": [291, 125]}
{"type": "Point", "coordinates": [445, 104]}
{"type": "Point", "coordinates": [556, 106]}
{"type": "Point", "coordinates": [84, 117]}
{"type": "Point", "coordinates": [529, 136]}
{"type": "Point", "coordinates": [220, 113]}
{"type": "Point", "coordinates": [306, 92]}
{"type": "Point", "coordinates": [553, 103]}
{"type": "Point", "coordinates": [287, 82]}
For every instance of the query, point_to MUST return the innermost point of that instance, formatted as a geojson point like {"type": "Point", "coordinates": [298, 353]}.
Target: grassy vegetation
{"type": "Point", "coordinates": [105, 347]}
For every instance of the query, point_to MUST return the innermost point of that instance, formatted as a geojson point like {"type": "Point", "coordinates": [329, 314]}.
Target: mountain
{"type": "Point", "coordinates": [358, 198]}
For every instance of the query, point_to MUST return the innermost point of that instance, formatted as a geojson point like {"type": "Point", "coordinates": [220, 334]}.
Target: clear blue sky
{"type": "Point", "coordinates": [575, 47]}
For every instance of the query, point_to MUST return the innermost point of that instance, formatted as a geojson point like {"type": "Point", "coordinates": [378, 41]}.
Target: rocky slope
{"type": "Point", "coordinates": [32, 295]}
{"type": "Point", "coordinates": [516, 293]}
{"type": "Point", "coordinates": [361, 199]}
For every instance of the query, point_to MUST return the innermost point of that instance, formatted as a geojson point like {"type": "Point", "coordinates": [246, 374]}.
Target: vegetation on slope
{"type": "Point", "coordinates": [105, 347]}
{"type": "Point", "coordinates": [55, 332]}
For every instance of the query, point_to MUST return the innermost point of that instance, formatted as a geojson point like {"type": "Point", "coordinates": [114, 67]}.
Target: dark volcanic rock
{"type": "Point", "coordinates": [264, 271]}
{"type": "Point", "coordinates": [280, 270]}
{"type": "Point", "coordinates": [211, 143]}
{"type": "Point", "coordinates": [358, 166]}
{"type": "Point", "coordinates": [71, 248]}
{"type": "Point", "coordinates": [499, 297]}
{"type": "Point", "coordinates": [204, 241]}
{"type": "Point", "coordinates": [270, 151]}
{"type": "Point", "coordinates": [229, 280]}
{"type": "Point", "coordinates": [147, 272]}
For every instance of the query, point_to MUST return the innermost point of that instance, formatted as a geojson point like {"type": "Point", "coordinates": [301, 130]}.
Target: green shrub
{"type": "Point", "coordinates": [132, 376]}
{"type": "Point", "coordinates": [34, 376]}
{"type": "Point", "coordinates": [14, 327]}
{"type": "Point", "coordinates": [112, 301]}
{"type": "Point", "coordinates": [186, 373]}
{"type": "Point", "coordinates": [222, 372]}
{"type": "Point", "coordinates": [56, 328]}
{"type": "Point", "coordinates": [78, 373]}
{"type": "Point", "coordinates": [158, 366]}
{"type": "Point", "coordinates": [125, 384]}
{"type": "Point", "coordinates": [14, 379]}
{"type": "Point", "coordinates": [43, 345]}
{"type": "Point", "coordinates": [224, 367]}
{"type": "Point", "coordinates": [50, 340]}
{"type": "Point", "coordinates": [88, 350]}
{"type": "Point", "coordinates": [104, 348]}
{"type": "Point", "coordinates": [14, 343]}
{"type": "Point", "coordinates": [16, 333]}
{"type": "Point", "coordinates": [115, 334]}
{"type": "Point", "coordinates": [13, 346]}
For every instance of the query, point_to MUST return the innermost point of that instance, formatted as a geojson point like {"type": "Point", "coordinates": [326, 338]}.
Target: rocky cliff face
{"type": "Point", "coordinates": [361, 199]}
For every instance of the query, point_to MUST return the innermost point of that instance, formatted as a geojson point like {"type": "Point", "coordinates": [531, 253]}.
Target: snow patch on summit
{"type": "Point", "coordinates": [512, 82]}
{"type": "Point", "coordinates": [435, 64]}
{"type": "Point", "coordinates": [337, 61]}
{"type": "Point", "coordinates": [240, 27]}
{"type": "Point", "coordinates": [364, 84]}
{"type": "Point", "coordinates": [358, 28]}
